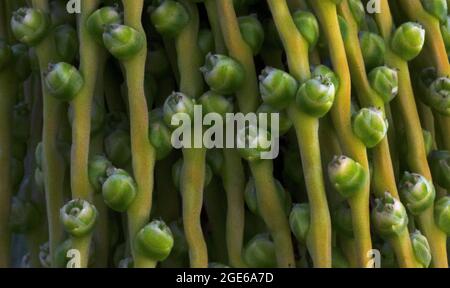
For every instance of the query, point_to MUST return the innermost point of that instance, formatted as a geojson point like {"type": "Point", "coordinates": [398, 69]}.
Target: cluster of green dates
{"type": "Point", "coordinates": [62, 79]}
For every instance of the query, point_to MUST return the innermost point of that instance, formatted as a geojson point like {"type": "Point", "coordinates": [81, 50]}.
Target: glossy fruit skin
{"type": "Point", "coordinates": [119, 190]}
{"type": "Point", "coordinates": [442, 214]}
{"type": "Point", "coordinates": [278, 88]}
{"type": "Point", "coordinates": [260, 252]}
{"type": "Point", "coordinates": [285, 123]}
{"type": "Point", "coordinates": [118, 147]}
{"type": "Point", "coordinates": [159, 134]}
{"type": "Point", "coordinates": [308, 26]}
{"type": "Point", "coordinates": [78, 217]}
{"type": "Point", "coordinates": [176, 105]}
{"type": "Point", "coordinates": [384, 81]}
{"type": "Point", "coordinates": [29, 25]}
{"type": "Point", "coordinates": [439, 95]}
{"type": "Point", "coordinates": [213, 102]}
{"type": "Point", "coordinates": [66, 43]}
{"type": "Point", "coordinates": [373, 49]}
{"type": "Point", "coordinates": [252, 32]}
{"type": "Point", "coordinates": [223, 74]}
{"type": "Point", "coordinates": [346, 175]}
{"type": "Point", "coordinates": [440, 167]}
{"type": "Point", "coordinates": [421, 248]}
{"type": "Point", "coordinates": [370, 126]}
{"type": "Point", "coordinates": [408, 40]}
{"type": "Point", "coordinates": [299, 221]}
{"type": "Point", "coordinates": [122, 41]}
{"type": "Point", "coordinates": [97, 170]}
{"type": "Point", "coordinates": [169, 17]}
{"type": "Point", "coordinates": [252, 142]}
{"type": "Point", "coordinates": [316, 96]}
{"type": "Point", "coordinates": [417, 192]}
{"type": "Point", "coordinates": [99, 19]}
{"type": "Point", "coordinates": [325, 72]}
{"type": "Point", "coordinates": [63, 81]}
{"type": "Point", "coordinates": [389, 216]}
{"type": "Point", "coordinates": [155, 240]}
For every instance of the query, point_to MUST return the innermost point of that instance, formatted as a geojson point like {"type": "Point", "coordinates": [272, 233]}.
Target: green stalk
{"type": "Point", "coordinates": [307, 130]}
{"type": "Point", "coordinates": [90, 53]}
{"type": "Point", "coordinates": [233, 175]}
{"type": "Point", "coordinates": [53, 162]}
{"type": "Point", "coordinates": [211, 9]}
{"type": "Point", "coordinates": [383, 172]}
{"type": "Point", "coordinates": [233, 178]}
{"type": "Point", "coordinates": [341, 115]}
{"type": "Point", "coordinates": [273, 214]}
{"type": "Point", "coordinates": [435, 42]}
{"type": "Point", "coordinates": [102, 233]}
{"type": "Point", "coordinates": [248, 98]}
{"type": "Point", "coordinates": [143, 152]}
{"type": "Point", "coordinates": [193, 172]}
{"type": "Point", "coordinates": [417, 158]}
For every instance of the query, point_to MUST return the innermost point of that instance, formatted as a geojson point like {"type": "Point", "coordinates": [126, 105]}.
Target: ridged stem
{"type": "Point", "coordinates": [143, 154]}
{"type": "Point", "coordinates": [233, 178]}
{"type": "Point", "coordinates": [81, 125]}
{"type": "Point", "coordinates": [102, 233]}
{"type": "Point", "coordinates": [307, 130]}
{"type": "Point", "coordinates": [193, 173]}
{"type": "Point", "coordinates": [233, 175]}
{"type": "Point", "coordinates": [248, 99]}
{"type": "Point", "coordinates": [341, 115]}
{"type": "Point", "coordinates": [211, 9]}
{"type": "Point", "coordinates": [405, 105]}
{"type": "Point", "coordinates": [247, 96]}
{"type": "Point", "coordinates": [53, 163]}
{"type": "Point", "coordinates": [273, 214]}
{"type": "Point", "coordinates": [383, 177]}
{"type": "Point", "coordinates": [435, 42]}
